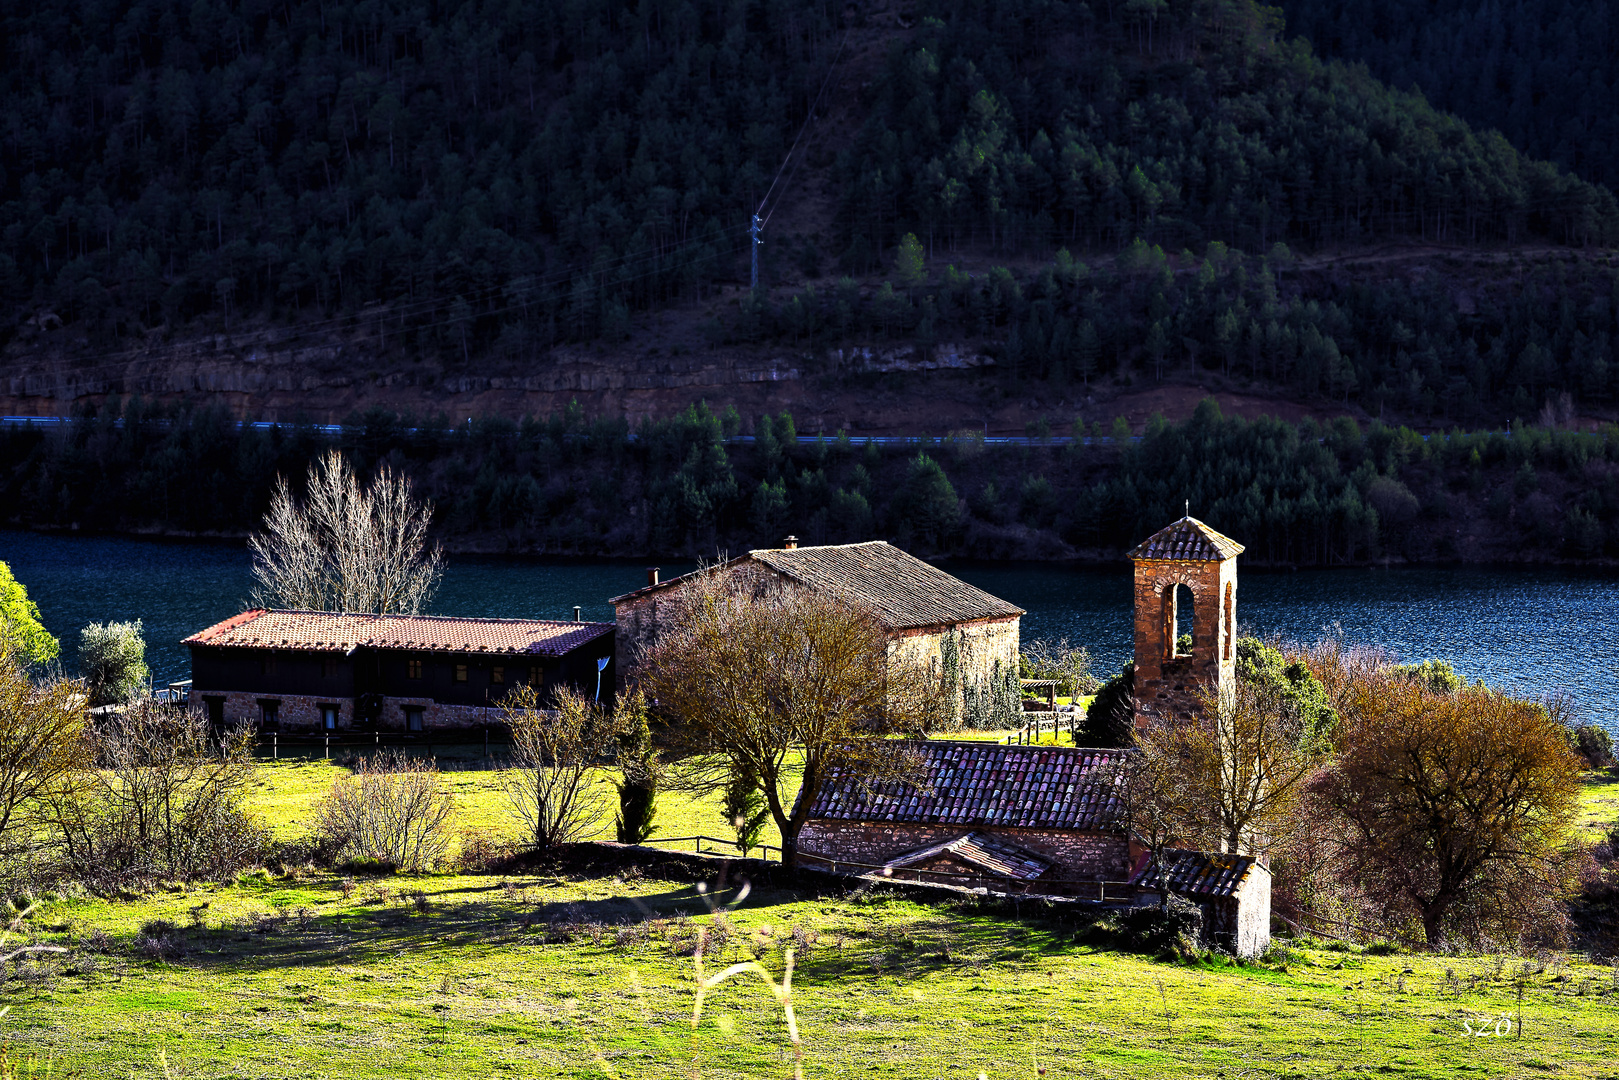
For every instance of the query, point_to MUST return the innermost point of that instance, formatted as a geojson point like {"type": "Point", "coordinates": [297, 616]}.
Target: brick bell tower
{"type": "Point", "coordinates": [1185, 561]}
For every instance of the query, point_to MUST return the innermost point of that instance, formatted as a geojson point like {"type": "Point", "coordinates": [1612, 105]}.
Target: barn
{"type": "Point", "coordinates": [962, 633]}
{"type": "Point", "coordinates": [324, 670]}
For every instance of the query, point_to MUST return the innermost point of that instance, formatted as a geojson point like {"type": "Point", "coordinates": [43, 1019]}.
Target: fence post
{"type": "Point", "coordinates": [486, 742]}
{"type": "Point", "coordinates": [328, 751]}
{"type": "Point", "coordinates": [275, 746]}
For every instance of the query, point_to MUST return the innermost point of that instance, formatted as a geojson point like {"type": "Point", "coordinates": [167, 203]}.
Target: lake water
{"type": "Point", "coordinates": [1529, 630]}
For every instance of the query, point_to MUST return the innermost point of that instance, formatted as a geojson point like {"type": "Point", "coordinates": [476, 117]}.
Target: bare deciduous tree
{"type": "Point", "coordinates": [1153, 807]}
{"type": "Point", "coordinates": [344, 547]}
{"type": "Point", "coordinates": [755, 677]}
{"type": "Point", "coordinates": [393, 808]}
{"type": "Point", "coordinates": [1244, 759]}
{"type": "Point", "coordinates": [552, 785]}
{"type": "Point", "coordinates": [1451, 809]}
{"type": "Point", "coordinates": [41, 744]}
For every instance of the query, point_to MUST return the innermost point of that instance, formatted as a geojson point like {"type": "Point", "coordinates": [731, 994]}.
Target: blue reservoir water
{"type": "Point", "coordinates": [1527, 630]}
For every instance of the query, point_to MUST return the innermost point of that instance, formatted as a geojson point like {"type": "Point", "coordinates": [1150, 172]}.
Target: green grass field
{"type": "Point", "coordinates": [544, 975]}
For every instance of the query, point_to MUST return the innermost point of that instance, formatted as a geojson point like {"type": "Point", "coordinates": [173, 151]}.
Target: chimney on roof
{"type": "Point", "coordinates": [576, 617]}
{"type": "Point", "coordinates": [652, 575]}
{"type": "Point", "coordinates": [790, 544]}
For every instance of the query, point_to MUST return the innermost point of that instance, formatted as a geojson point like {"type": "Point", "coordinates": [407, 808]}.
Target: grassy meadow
{"type": "Point", "coordinates": [570, 973]}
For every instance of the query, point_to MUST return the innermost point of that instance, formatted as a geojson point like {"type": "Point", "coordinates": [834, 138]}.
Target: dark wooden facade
{"type": "Point", "coordinates": [308, 669]}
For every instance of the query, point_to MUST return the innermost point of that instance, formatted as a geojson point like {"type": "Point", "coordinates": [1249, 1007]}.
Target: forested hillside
{"type": "Point", "coordinates": [494, 178]}
{"type": "Point", "coordinates": [1307, 494]}
{"type": "Point", "coordinates": [1540, 71]}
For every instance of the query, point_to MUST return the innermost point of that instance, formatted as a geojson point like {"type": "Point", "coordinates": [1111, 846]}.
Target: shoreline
{"type": "Point", "coordinates": [1082, 560]}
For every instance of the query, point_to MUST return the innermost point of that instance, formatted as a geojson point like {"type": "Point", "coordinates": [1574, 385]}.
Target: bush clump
{"type": "Point", "coordinates": [162, 801]}
{"type": "Point", "coordinates": [393, 811]}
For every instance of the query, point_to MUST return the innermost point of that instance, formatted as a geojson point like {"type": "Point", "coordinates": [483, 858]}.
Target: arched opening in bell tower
{"type": "Point", "coordinates": [1180, 621]}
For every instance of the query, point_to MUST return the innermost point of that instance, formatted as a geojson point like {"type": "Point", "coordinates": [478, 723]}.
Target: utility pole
{"type": "Point", "coordinates": [754, 232]}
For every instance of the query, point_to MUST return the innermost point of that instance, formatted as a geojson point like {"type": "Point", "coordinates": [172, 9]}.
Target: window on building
{"type": "Point", "coordinates": [269, 712]}
{"type": "Point", "coordinates": [413, 717]}
{"type": "Point", "coordinates": [267, 664]}
{"type": "Point", "coordinates": [328, 717]}
{"type": "Point", "coordinates": [497, 675]}
{"type": "Point", "coordinates": [536, 676]}
{"type": "Point", "coordinates": [460, 673]}
{"type": "Point", "coordinates": [413, 669]}
{"type": "Point", "coordinates": [216, 710]}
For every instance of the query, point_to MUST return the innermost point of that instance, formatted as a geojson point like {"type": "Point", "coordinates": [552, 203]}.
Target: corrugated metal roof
{"type": "Point", "coordinates": [902, 591]}
{"type": "Point", "coordinates": [978, 783]}
{"type": "Point", "coordinates": [986, 852]}
{"type": "Point", "coordinates": [1187, 539]}
{"type": "Point", "coordinates": [1201, 873]}
{"type": "Point", "coordinates": [329, 631]}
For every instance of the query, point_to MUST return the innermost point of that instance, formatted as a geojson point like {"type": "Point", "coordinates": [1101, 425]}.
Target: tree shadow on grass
{"type": "Point", "coordinates": [394, 916]}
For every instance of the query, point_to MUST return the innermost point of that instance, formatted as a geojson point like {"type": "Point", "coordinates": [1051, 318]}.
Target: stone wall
{"type": "Point", "coordinates": [301, 713]}
{"type": "Point", "coordinates": [976, 664]}
{"type": "Point", "coordinates": [1083, 856]}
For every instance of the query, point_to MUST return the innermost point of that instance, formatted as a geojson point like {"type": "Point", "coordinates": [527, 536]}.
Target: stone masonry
{"type": "Point", "coordinates": [1080, 856]}
{"type": "Point", "coordinates": [1188, 557]}
{"type": "Point", "coordinates": [302, 713]}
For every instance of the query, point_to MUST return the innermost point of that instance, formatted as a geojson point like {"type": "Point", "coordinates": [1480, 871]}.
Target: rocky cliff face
{"type": "Point", "coordinates": [284, 374]}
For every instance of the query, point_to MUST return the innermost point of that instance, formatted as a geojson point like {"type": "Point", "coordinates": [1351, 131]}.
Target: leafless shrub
{"type": "Point", "coordinates": [629, 936]}
{"type": "Point", "coordinates": [393, 809]}
{"type": "Point", "coordinates": [481, 852]}
{"type": "Point", "coordinates": [347, 886]}
{"type": "Point", "coordinates": [420, 902]}
{"type": "Point", "coordinates": [163, 801]}
{"type": "Point", "coordinates": [720, 931]}
{"type": "Point", "coordinates": [345, 548]}
{"type": "Point", "coordinates": [42, 744]}
{"type": "Point", "coordinates": [159, 947]}
{"type": "Point", "coordinates": [551, 786]}
{"type": "Point", "coordinates": [96, 940]}
{"type": "Point", "coordinates": [1069, 665]}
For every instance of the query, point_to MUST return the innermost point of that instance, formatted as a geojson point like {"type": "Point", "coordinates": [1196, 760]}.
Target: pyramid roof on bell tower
{"type": "Point", "coordinates": [1187, 539]}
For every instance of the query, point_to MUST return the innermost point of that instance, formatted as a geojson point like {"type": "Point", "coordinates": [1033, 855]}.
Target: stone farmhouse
{"type": "Point", "coordinates": [319, 670]}
{"type": "Point", "coordinates": [966, 636]}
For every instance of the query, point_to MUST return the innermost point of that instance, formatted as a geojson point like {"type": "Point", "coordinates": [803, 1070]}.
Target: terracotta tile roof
{"type": "Point", "coordinates": [978, 783]}
{"type": "Point", "coordinates": [1190, 539]}
{"type": "Point", "coordinates": [989, 854]}
{"type": "Point", "coordinates": [1201, 873]}
{"type": "Point", "coordinates": [901, 590]}
{"type": "Point", "coordinates": [328, 631]}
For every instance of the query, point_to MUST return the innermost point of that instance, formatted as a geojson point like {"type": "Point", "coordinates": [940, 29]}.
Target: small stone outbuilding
{"type": "Point", "coordinates": [967, 637]}
{"type": "Point", "coordinates": [1233, 892]}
